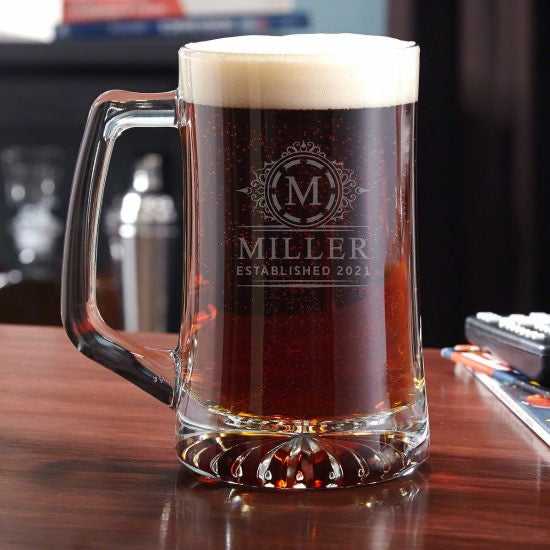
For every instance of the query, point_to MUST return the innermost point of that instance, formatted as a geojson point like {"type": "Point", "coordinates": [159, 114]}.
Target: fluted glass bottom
{"type": "Point", "coordinates": [333, 454]}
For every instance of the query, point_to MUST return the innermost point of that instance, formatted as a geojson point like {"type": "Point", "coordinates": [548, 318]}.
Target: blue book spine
{"type": "Point", "coordinates": [208, 26]}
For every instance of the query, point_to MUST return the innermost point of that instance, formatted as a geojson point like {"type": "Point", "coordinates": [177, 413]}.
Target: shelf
{"type": "Point", "coordinates": [109, 53]}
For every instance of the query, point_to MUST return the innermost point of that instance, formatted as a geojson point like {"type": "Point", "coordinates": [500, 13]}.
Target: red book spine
{"type": "Point", "coordinates": [87, 11]}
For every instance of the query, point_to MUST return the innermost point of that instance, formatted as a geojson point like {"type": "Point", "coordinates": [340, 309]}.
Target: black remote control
{"type": "Point", "coordinates": [522, 341]}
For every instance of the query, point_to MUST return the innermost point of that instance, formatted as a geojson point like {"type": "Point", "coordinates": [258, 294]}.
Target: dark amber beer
{"type": "Point", "coordinates": [311, 319]}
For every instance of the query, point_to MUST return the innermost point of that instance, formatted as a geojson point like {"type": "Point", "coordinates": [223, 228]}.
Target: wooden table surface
{"type": "Point", "coordinates": [87, 461]}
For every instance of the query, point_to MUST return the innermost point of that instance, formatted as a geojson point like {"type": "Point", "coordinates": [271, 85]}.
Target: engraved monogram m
{"type": "Point", "coordinates": [313, 186]}
{"type": "Point", "coordinates": [285, 190]}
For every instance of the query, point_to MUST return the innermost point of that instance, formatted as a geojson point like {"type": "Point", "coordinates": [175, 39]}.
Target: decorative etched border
{"type": "Point", "coordinates": [257, 188]}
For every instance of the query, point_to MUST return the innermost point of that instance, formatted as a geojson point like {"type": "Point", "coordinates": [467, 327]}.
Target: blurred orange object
{"type": "Point", "coordinates": [95, 11]}
{"type": "Point", "coordinates": [86, 11]}
{"type": "Point", "coordinates": [538, 401]}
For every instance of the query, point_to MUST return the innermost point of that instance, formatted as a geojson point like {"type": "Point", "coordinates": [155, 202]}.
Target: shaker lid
{"type": "Point", "coordinates": [148, 173]}
{"type": "Point", "coordinates": [144, 204]}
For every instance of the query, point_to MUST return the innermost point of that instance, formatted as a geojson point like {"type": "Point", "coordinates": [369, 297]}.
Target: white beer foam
{"type": "Point", "coordinates": [301, 71]}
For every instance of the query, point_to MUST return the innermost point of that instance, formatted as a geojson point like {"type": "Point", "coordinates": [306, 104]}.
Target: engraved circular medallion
{"type": "Point", "coordinates": [303, 189]}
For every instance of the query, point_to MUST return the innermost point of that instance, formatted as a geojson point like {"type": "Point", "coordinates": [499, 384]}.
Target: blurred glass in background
{"type": "Point", "coordinates": [31, 177]}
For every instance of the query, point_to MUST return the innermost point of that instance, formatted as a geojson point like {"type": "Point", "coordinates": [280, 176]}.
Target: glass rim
{"type": "Point", "coordinates": [407, 46]}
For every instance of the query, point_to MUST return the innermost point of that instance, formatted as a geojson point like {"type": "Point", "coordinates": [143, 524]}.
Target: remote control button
{"type": "Point", "coordinates": [488, 317]}
{"type": "Point", "coordinates": [509, 324]}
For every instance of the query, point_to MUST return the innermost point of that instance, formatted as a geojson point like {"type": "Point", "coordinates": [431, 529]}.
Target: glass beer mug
{"type": "Point", "coordinates": [299, 361]}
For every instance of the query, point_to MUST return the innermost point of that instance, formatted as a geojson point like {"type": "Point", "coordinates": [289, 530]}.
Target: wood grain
{"type": "Point", "coordinates": [87, 461]}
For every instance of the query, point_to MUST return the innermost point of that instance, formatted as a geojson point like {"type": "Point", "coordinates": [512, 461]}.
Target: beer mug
{"type": "Point", "coordinates": [299, 360]}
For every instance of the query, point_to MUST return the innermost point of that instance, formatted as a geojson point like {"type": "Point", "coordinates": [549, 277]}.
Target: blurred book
{"type": "Point", "coordinates": [531, 409]}
{"type": "Point", "coordinates": [526, 398]}
{"type": "Point", "coordinates": [87, 11]}
{"type": "Point", "coordinates": [196, 26]}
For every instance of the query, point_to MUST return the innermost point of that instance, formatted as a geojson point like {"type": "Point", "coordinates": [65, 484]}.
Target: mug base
{"type": "Point", "coordinates": [286, 461]}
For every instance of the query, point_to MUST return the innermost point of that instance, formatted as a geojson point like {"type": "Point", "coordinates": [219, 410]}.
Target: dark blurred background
{"type": "Point", "coordinates": [482, 142]}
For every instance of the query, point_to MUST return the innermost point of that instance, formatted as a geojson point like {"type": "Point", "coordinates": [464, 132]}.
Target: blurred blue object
{"type": "Point", "coordinates": [208, 27]}
{"type": "Point", "coordinates": [359, 16]}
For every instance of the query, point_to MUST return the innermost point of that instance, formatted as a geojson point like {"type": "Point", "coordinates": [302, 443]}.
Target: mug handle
{"type": "Point", "coordinates": [111, 114]}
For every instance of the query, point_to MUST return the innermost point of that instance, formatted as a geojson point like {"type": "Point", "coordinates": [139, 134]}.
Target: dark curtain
{"type": "Point", "coordinates": [483, 185]}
